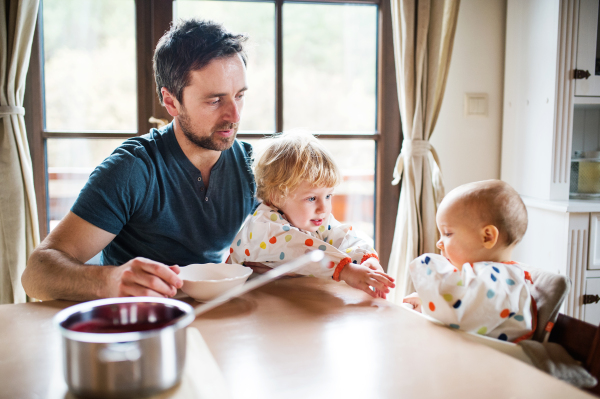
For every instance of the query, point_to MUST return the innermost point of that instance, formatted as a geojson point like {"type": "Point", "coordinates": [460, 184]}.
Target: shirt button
{"type": "Point", "coordinates": [201, 188]}
{"type": "Point", "coordinates": [200, 178]}
{"type": "Point", "coordinates": [205, 198]}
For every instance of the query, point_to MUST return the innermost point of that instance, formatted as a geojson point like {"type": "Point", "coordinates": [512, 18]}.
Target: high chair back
{"type": "Point", "coordinates": [549, 292]}
{"type": "Point", "coordinates": [582, 341]}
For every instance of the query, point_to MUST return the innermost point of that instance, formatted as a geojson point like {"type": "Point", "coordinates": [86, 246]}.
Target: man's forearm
{"type": "Point", "coordinates": [52, 274]}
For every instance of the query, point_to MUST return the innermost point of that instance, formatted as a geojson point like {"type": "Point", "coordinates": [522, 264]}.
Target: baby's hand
{"type": "Point", "coordinates": [366, 276]}
{"type": "Point", "coordinates": [414, 300]}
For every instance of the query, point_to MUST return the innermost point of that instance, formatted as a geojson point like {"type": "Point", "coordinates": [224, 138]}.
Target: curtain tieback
{"type": "Point", "coordinates": [6, 110]}
{"type": "Point", "coordinates": [411, 149]}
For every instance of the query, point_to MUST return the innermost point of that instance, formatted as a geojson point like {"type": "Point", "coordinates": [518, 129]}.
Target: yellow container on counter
{"type": "Point", "coordinates": [589, 177]}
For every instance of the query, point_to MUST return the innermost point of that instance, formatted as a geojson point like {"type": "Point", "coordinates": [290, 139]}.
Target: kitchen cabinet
{"type": "Point", "coordinates": [549, 118]}
{"type": "Point", "coordinates": [588, 49]}
{"type": "Point", "coordinates": [592, 310]}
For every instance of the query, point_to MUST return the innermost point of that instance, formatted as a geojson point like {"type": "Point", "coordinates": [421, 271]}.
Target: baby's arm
{"type": "Point", "coordinates": [474, 302]}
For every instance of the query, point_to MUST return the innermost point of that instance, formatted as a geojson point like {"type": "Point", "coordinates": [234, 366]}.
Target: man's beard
{"type": "Point", "coordinates": [210, 142]}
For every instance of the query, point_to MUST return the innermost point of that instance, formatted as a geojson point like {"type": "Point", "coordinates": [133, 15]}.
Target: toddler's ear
{"type": "Point", "coordinates": [490, 236]}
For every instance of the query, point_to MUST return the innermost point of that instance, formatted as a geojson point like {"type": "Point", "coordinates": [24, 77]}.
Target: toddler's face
{"type": "Point", "coordinates": [460, 240]}
{"type": "Point", "coordinates": [308, 207]}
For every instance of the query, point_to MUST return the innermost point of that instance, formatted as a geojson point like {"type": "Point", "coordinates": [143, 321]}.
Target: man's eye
{"type": "Point", "coordinates": [215, 102]}
{"type": "Point", "coordinates": [240, 96]}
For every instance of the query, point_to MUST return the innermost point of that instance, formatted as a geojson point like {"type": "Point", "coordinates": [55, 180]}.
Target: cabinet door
{"type": "Point", "coordinates": [588, 48]}
{"type": "Point", "coordinates": [592, 310]}
{"type": "Point", "coordinates": [594, 246]}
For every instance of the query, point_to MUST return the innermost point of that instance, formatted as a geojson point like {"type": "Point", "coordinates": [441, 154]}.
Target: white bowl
{"type": "Point", "coordinates": [204, 282]}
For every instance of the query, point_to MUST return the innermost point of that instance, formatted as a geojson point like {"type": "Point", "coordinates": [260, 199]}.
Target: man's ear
{"type": "Point", "coordinates": [490, 235]}
{"type": "Point", "coordinates": [171, 103]}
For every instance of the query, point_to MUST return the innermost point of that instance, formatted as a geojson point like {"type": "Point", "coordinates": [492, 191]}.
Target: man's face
{"type": "Point", "coordinates": [212, 104]}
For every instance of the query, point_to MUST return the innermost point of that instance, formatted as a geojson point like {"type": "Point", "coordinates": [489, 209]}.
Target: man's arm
{"type": "Point", "coordinates": [57, 269]}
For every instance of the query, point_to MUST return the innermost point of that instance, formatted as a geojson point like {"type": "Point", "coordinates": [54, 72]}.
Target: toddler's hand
{"type": "Point", "coordinates": [373, 264]}
{"type": "Point", "coordinates": [414, 300]}
{"type": "Point", "coordinates": [364, 277]}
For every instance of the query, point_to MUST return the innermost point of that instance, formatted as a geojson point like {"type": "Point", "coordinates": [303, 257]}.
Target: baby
{"type": "Point", "coordinates": [295, 178]}
{"type": "Point", "coordinates": [473, 285]}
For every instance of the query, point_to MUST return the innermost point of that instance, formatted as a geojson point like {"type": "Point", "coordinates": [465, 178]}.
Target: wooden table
{"type": "Point", "coordinates": [304, 338]}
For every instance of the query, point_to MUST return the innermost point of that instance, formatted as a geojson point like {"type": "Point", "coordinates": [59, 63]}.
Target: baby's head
{"type": "Point", "coordinates": [481, 221]}
{"type": "Point", "coordinates": [297, 174]}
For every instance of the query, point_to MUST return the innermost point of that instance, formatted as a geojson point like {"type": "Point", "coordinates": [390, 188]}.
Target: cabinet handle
{"type": "Point", "coordinates": [587, 299]}
{"type": "Point", "coordinates": [581, 74]}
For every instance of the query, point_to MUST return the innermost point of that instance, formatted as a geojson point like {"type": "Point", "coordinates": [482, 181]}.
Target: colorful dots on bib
{"type": "Point", "coordinates": [322, 247]}
{"type": "Point", "coordinates": [460, 283]}
{"type": "Point", "coordinates": [490, 294]}
{"type": "Point", "coordinates": [239, 242]}
{"type": "Point", "coordinates": [503, 337]}
{"type": "Point", "coordinates": [282, 256]}
{"type": "Point", "coordinates": [286, 228]}
{"type": "Point", "coordinates": [273, 217]}
{"type": "Point", "coordinates": [247, 252]}
{"type": "Point", "coordinates": [510, 281]}
{"type": "Point", "coordinates": [519, 318]}
{"type": "Point", "coordinates": [448, 297]}
{"type": "Point", "coordinates": [493, 277]}
{"type": "Point", "coordinates": [504, 314]}
{"type": "Point", "coordinates": [432, 306]}
{"type": "Point", "coordinates": [250, 235]}
{"type": "Point", "coordinates": [455, 326]}
{"type": "Point", "coordinates": [255, 213]}
{"type": "Point", "coordinates": [457, 304]}
{"type": "Point", "coordinates": [428, 271]}
{"type": "Point", "coordinates": [273, 240]}
{"type": "Point", "coordinates": [496, 269]}
{"type": "Point", "coordinates": [426, 260]}
{"type": "Point", "coordinates": [482, 331]}
{"type": "Point", "coordinates": [263, 245]}
{"type": "Point", "coordinates": [322, 229]}
{"type": "Point", "coordinates": [288, 238]}
{"type": "Point", "coordinates": [330, 242]}
{"type": "Point", "coordinates": [331, 265]}
{"type": "Point", "coordinates": [308, 243]}
{"type": "Point", "coordinates": [230, 250]}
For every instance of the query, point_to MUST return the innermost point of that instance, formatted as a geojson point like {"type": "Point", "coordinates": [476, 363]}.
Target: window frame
{"type": "Point", "coordinates": [153, 18]}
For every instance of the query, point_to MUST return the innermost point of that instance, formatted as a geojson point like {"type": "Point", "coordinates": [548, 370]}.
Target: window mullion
{"type": "Point", "coordinates": [278, 66]}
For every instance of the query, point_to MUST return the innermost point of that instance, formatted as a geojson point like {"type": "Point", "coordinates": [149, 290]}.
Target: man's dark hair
{"type": "Point", "coordinates": [189, 46]}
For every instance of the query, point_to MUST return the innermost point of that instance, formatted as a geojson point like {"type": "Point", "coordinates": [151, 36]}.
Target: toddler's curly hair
{"type": "Point", "coordinates": [288, 160]}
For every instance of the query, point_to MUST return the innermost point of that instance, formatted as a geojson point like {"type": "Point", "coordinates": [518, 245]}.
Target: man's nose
{"type": "Point", "coordinates": [233, 113]}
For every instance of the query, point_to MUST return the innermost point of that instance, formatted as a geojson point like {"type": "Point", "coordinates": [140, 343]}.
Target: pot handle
{"type": "Point", "coordinates": [120, 352]}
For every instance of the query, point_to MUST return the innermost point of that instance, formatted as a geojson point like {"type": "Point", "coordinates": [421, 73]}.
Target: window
{"type": "Point", "coordinates": [323, 67]}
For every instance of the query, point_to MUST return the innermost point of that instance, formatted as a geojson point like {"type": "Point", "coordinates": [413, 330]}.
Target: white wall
{"type": "Point", "coordinates": [469, 147]}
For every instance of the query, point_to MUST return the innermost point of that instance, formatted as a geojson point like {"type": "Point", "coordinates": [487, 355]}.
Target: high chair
{"type": "Point", "coordinates": [582, 342]}
{"type": "Point", "coordinates": [549, 291]}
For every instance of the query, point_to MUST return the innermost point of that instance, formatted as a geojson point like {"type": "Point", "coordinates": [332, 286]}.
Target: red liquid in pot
{"type": "Point", "coordinates": [106, 327]}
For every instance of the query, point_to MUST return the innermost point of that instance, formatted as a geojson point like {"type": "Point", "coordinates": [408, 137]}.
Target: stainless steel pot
{"type": "Point", "coordinates": [123, 347]}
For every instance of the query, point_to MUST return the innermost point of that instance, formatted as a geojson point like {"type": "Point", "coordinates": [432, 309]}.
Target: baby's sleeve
{"type": "Point", "coordinates": [474, 302]}
{"type": "Point", "coordinates": [353, 243]}
{"type": "Point", "coordinates": [269, 239]}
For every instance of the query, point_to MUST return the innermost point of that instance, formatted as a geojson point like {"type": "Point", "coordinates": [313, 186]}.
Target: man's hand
{"type": "Point", "coordinates": [144, 277]}
{"type": "Point", "coordinates": [367, 275]}
{"type": "Point", "coordinates": [414, 300]}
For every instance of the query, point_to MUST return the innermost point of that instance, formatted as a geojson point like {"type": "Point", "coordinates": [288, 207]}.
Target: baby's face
{"type": "Point", "coordinates": [460, 239]}
{"type": "Point", "coordinates": [308, 207]}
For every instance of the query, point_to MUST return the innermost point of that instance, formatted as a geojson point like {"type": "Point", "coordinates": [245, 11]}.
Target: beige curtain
{"type": "Point", "coordinates": [19, 233]}
{"type": "Point", "coordinates": [423, 39]}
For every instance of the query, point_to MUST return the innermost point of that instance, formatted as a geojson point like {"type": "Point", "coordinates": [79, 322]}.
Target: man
{"type": "Point", "coordinates": [172, 197]}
